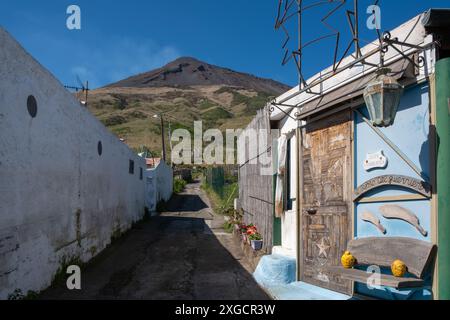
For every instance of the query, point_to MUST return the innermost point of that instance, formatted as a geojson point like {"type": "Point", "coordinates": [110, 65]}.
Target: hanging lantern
{"type": "Point", "coordinates": [382, 97]}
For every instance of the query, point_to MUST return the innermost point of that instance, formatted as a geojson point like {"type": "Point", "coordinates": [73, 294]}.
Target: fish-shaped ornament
{"type": "Point", "coordinates": [400, 213]}
{"type": "Point", "coordinates": [371, 218]}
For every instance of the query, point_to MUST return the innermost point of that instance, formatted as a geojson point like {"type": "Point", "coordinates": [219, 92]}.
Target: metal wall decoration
{"type": "Point", "coordinates": [289, 10]}
{"type": "Point", "coordinates": [411, 183]}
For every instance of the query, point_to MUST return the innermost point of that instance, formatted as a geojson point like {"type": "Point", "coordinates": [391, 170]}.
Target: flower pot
{"type": "Point", "coordinates": [257, 244]}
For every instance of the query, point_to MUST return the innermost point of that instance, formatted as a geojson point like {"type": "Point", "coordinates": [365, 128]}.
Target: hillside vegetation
{"type": "Point", "coordinates": [128, 107]}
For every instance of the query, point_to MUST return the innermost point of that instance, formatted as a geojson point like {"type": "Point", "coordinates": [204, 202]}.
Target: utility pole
{"type": "Point", "coordinates": [170, 142]}
{"type": "Point", "coordinates": [300, 42]}
{"type": "Point", "coordinates": [86, 92]}
{"type": "Point", "coordinates": [162, 138]}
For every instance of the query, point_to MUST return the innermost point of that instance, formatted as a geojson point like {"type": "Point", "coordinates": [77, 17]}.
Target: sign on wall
{"type": "Point", "coordinates": [375, 161]}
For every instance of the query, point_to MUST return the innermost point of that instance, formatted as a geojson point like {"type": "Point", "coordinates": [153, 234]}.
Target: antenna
{"type": "Point", "coordinates": [84, 88]}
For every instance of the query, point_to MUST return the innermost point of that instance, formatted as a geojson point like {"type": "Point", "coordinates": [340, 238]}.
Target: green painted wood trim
{"type": "Point", "coordinates": [276, 235]}
{"type": "Point", "coordinates": [443, 175]}
{"type": "Point", "coordinates": [276, 221]}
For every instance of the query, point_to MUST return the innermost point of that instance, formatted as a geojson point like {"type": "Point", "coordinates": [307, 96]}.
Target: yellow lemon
{"type": "Point", "coordinates": [398, 268]}
{"type": "Point", "coordinates": [347, 260]}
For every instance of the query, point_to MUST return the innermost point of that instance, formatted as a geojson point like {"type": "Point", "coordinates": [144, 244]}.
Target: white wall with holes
{"type": "Point", "coordinates": [65, 184]}
{"type": "Point", "coordinates": [159, 185]}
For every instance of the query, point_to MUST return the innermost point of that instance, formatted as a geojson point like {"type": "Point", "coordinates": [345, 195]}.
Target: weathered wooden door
{"type": "Point", "coordinates": [326, 216]}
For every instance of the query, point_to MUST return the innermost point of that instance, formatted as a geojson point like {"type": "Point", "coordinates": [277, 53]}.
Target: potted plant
{"type": "Point", "coordinates": [256, 241]}
{"type": "Point", "coordinates": [251, 231]}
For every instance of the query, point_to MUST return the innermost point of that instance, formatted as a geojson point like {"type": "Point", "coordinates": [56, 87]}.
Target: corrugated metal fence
{"type": "Point", "coordinates": [215, 178]}
{"type": "Point", "coordinates": [256, 189]}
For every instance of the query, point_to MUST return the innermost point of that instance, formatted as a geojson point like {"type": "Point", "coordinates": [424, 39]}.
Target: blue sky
{"type": "Point", "coordinates": [122, 38]}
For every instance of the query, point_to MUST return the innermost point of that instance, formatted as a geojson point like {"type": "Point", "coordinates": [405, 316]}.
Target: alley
{"type": "Point", "coordinates": [182, 254]}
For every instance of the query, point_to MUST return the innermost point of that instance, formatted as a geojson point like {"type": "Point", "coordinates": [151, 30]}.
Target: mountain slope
{"type": "Point", "coordinates": [187, 71]}
{"type": "Point", "coordinates": [185, 90]}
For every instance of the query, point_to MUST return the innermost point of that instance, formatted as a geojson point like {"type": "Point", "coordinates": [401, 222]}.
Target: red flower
{"type": "Point", "coordinates": [251, 230]}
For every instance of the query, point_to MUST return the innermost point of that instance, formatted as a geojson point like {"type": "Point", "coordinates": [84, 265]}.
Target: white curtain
{"type": "Point", "coordinates": [281, 176]}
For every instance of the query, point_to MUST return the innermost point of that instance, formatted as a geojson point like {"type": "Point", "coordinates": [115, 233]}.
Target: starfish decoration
{"type": "Point", "coordinates": [323, 247]}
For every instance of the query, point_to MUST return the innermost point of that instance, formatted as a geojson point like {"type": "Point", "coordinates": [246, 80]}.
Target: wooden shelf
{"type": "Point", "coordinates": [386, 280]}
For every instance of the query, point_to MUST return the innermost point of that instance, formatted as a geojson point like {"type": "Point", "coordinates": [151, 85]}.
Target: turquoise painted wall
{"type": "Point", "coordinates": [443, 174]}
{"type": "Point", "coordinates": [410, 133]}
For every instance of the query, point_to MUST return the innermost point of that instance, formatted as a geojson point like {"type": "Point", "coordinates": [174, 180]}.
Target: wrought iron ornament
{"type": "Point", "coordinates": [289, 10]}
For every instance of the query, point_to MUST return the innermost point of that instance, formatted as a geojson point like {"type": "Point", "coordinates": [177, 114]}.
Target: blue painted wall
{"type": "Point", "coordinates": [410, 133]}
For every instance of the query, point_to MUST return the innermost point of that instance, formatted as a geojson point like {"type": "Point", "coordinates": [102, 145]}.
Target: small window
{"type": "Point", "coordinates": [141, 174]}
{"type": "Point", "coordinates": [32, 106]}
{"type": "Point", "coordinates": [131, 167]}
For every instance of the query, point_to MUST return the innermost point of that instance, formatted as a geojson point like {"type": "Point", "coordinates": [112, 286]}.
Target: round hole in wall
{"type": "Point", "coordinates": [99, 148]}
{"type": "Point", "coordinates": [32, 106]}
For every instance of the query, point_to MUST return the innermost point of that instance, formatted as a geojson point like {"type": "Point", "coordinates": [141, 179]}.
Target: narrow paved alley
{"type": "Point", "coordinates": [182, 254]}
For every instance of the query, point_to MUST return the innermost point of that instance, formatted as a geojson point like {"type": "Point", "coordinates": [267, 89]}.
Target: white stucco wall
{"type": "Point", "coordinates": [159, 185]}
{"type": "Point", "coordinates": [59, 199]}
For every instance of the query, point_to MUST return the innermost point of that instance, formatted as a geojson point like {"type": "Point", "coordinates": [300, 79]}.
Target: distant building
{"type": "Point", "coordinates": [152, 162]}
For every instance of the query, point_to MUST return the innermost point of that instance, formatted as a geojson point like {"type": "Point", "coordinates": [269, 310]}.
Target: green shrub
{"type": "Point", "coordinates": [228, 226]}
{"type": "Point", "coordinates": [18, 295]}
{"type": "Point", "coordinates": [255, 236]}
{"type": "Point", "coordinates": [179, 185]}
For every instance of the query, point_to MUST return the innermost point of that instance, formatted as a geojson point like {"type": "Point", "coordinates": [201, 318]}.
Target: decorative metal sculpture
{"type": "Point", "coordinates": [389, 92]}
{"type": "Point", "coordinates": [289, 9]}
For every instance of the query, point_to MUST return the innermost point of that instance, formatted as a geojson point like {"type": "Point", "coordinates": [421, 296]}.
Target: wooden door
{"type": "Point", "coordinates": [326, 201]}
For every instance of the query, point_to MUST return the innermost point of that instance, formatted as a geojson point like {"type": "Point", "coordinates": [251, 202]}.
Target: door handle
{"type": "Point", "coordinates": [311, 211]}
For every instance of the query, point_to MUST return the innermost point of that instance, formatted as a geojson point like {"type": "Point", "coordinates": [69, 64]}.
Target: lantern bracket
{"type": "Point", "coordinates": [272, 105]}
{"type": "Point", "coordinates": [384, 47]}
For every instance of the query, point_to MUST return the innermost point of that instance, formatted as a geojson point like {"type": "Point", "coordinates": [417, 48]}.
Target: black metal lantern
{"type": "Point", "coordinates": [382, 97]}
